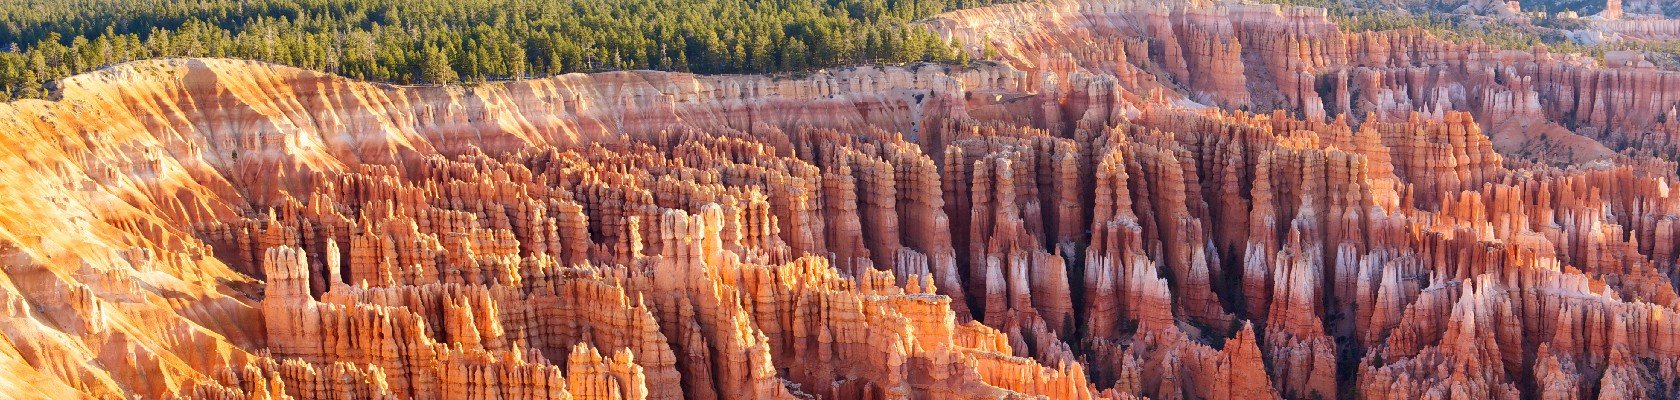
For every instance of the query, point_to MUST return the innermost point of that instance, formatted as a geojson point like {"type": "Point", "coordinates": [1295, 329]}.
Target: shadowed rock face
{"type": "Point", "coordinates": [1095, 216]}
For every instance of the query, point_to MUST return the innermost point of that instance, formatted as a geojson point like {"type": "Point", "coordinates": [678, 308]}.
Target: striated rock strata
{"type": "Point", "coordinates": [1139, 200]}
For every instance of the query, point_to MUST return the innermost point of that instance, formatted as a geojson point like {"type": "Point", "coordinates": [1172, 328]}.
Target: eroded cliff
{"type": "Point", "coordinates": [1094, 216]}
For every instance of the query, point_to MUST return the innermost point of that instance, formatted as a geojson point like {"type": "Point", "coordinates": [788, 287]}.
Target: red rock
{"type": "Point", "coordinates": [1065, 223]}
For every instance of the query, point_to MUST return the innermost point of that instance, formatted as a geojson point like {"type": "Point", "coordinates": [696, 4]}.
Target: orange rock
{"type": "Point", "coordinates": [1094, 215]}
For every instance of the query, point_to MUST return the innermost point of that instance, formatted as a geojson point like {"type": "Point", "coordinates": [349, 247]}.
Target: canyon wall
{"type": "Point", "coordinates": [1137, 200]}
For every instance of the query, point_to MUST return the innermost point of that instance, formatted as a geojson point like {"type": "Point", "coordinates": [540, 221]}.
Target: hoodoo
{"type": "Point", "coordinates": [1130, 199]}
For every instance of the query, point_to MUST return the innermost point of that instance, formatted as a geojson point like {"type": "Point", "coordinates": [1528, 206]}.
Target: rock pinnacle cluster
{"type": "Point", "coordinates": [1134, 199]}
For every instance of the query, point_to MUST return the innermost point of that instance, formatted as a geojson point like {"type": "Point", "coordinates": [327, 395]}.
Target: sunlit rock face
{"type": "Point", "coordinates": [1181, 200]}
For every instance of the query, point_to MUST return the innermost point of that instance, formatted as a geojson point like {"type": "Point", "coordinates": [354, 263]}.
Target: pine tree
{"type": "Point", "coordinates": [435, 68]}
{"type": "Point", "coordinates": [794, 55]}
{"type": "Point", "coordinates": [440, 41]}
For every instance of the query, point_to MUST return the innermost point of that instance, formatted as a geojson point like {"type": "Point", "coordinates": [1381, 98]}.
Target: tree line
{"type": "Point", "coordinates": [451, 41]}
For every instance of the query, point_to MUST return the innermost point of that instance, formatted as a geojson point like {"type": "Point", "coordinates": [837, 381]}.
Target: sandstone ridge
{"type": "Point", "coordinates": [1101, 213]}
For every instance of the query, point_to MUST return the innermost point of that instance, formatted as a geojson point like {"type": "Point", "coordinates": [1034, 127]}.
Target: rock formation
{"type": "Point", "coordinates": [1137, 200]}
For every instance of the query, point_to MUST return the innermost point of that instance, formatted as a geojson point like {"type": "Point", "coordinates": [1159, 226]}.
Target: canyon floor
{"type": "Point", "coordinates": [1134, 199]}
